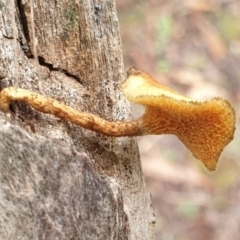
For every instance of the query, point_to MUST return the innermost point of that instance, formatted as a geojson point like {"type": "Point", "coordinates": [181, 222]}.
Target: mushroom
{"type": "Point", "coordinates": [204, 127]}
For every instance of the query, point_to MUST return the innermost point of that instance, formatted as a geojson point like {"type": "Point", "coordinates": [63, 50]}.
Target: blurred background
{"type": "Point", "coordinates": [194, 48]}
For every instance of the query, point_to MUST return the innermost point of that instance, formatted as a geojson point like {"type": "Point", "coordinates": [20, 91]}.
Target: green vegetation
{"type": "Point", "coordinates": [1, 4]}
{"type": "Point", "coordinates": [71, 16]}
{"type": "Point", "coordinates": [164, 32]}
{"type": "Point", "coordinates": [229, 26]}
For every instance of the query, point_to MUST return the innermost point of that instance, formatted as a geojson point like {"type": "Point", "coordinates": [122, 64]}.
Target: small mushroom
{"type": "Point", "coordinates": [205, 127]}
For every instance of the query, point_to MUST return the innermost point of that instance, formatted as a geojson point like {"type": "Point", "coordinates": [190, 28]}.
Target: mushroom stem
{"type": "Point", "coordinates": [83, 119]}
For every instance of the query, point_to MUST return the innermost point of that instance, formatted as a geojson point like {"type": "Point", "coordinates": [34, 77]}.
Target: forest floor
{"type": "Point", "coordinates": [194, 48]}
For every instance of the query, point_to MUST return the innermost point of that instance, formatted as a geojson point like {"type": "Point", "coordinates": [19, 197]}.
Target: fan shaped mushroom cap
{"type": "Point", "coordinates": [205, 127]}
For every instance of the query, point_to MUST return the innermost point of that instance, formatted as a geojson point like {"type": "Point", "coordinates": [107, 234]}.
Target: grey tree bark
{"type": "Point", "coordinates": [58, 181]}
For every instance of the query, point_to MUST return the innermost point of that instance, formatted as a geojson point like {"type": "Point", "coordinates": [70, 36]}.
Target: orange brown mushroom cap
{"type": "Point", "coordinates": [204, 127]}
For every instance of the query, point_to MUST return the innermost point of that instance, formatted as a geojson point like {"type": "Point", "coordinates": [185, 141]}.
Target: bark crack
{"type": "Point", "coordinates": [26, 48]}
{"type": "Point", "coordinates": [42, 62]}
{"type": "Point", "coordinates": [7, 37]}
{"type": "Point", "coordinates": [23, 20]}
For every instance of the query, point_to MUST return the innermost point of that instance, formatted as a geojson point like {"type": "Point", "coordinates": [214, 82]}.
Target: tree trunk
{"type": "Point", "coordinates": [59, 181]}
